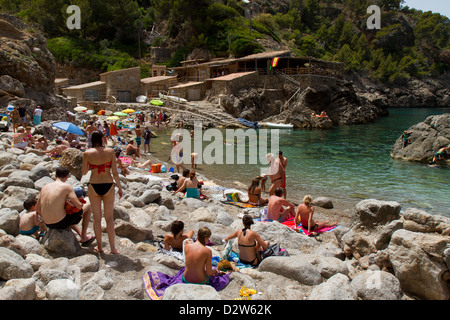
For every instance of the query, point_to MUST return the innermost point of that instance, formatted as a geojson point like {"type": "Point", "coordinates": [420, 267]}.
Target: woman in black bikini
{"type": "Point", "coordinates": [250, 243]}
{"type": "Point", "coordinates": [254, 194]}
{"type": "Point", "coordinates": [102, 162]}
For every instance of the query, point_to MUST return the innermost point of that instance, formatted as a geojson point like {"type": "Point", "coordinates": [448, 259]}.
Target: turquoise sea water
{"type": "Point", "coordinates": [348, 163]}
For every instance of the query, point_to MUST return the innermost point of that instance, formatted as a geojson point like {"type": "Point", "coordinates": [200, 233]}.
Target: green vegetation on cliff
{"type": "Point", "coordinates": [410, 43]}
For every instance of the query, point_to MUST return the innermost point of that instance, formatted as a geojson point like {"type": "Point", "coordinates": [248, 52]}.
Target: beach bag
{"type": "Point", "coordinates": [156, 168]}
{"type": "Point", "coordinates": [274, 251]}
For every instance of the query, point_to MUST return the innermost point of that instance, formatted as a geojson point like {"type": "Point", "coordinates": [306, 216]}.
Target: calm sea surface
{"type": "Point", "coordinates": [348, 163]}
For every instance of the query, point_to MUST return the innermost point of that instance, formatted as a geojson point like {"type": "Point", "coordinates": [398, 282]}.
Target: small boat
{"type": "Point", "coordinates": [141, 99]}
{"type": "Point", "coordinates": [156, 102]}
{"type": "Point", "coordinates": [173, 98]}
{"type": "Point", "coordinates": [277, 125]}
{"type": "Point", "coordinates": [250, 124]}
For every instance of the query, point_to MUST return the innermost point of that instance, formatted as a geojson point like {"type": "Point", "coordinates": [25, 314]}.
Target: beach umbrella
{"type": "Point", "coordinates": [69, 127]}
{"type": "Point", "coordinates": [157, 102]}
{"type": "Point", "coordinates": [10, 108]}
{"type": "Point", "coordinates": [80, 109]}
{"type": "Point", "coordinates": [101, 112]}
{"type": "Point", "coordinates": [128, 111]}
{"type": "Point", "coordinates": [120, 114]}
{"type": "Point", "coordinates": [113, 130]}
{"type": "Point", "coordinates": [113, 118]}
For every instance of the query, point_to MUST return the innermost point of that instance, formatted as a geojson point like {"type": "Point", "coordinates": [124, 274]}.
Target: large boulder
{"type": "Point", "coordinates": [294, 267]}
{"type": "Point", "coordinates": [337, 287]}
{"type": "Point", "coordinates": [418, 263]}
{"type": "Point", "coordinates": [425, 139]}
{"type": "Point", "coordinates": [190, 292]}
{"type": "Point", "coordinates": [13, 266]}
{"type": "Point", "coordinates": [61, 241]}
{"type": "Point", "coordinates": [370, 232]}
{"type": "Point", "coordinates": [72, 159]}
{"type": "Point", "coordinates": [9, 221]}
{"type": "Point", "coordinates": [377, 285]}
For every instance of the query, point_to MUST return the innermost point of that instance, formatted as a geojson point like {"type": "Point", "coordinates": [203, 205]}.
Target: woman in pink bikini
{"type": "Point", "coordinates": [102, 162]}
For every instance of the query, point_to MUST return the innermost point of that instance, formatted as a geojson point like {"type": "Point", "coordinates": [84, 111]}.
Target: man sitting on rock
{"type": "Point", "coordinates": [51, 206]}
{"type": "Point", "coordinates": [279, 209]}
{"type": "Point", "coordinates": [20, 139]}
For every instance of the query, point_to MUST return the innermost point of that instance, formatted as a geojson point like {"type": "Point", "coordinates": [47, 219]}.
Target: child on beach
{"type": "Point", "coordinates": [71, 209]}
{"type": "Point", "coordinates": [30, 222]}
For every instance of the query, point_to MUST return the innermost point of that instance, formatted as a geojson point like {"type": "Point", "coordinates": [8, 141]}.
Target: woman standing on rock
{"type": "Point", "coordinates": [102, 161]}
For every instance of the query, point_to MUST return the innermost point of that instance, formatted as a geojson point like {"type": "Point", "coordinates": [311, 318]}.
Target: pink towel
{"type": "Point", "coordinates": [291, 224]}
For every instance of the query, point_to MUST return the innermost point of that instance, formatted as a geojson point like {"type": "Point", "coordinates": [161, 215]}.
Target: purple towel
{"type": "Point", "coordinates": [157, 282]}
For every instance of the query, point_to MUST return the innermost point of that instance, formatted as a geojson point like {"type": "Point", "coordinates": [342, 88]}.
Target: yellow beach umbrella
{"type": "Point", "coordinates": [113, 118]}
{"type": "Point", "coordinates": [129, 111]}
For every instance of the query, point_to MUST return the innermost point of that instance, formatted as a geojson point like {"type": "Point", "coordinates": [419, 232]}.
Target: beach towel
{"type": "Point", "coordinates": [125, 159]}
{"type": "Point", "coordinates": [291, 224]}
{"type": "Point", "coordinates": [239, 204]}
{"type": "Point", "coordinates": [156, 283]}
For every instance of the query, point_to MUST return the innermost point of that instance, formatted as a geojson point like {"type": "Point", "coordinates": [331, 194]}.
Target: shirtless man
{"type": "Point", "coordinates": [276, 208]}
{"type": "Point", "coordinates": [20, 139]}
{"type": "Point", "coordinates": [15, 118]}
{"type": "Point", "coordinates": [58, 150]}
{"type": "Point", "coordinates": [283, 162]}
{"type": "Point", "coordinates": [138, 132]}
{"type": "Point", "coordinates": [89, 130]}
{"type": "Point", "coordinates": [198, 266]}
{"type": "Point", "coordinates": [175, 240]}
{"type": "Point", "coordinates": [275, 173]}
{"type": "Point", "coordinates": [51, 206]}
{"type": "Point", "coordinates": [305, 214]}
{"type": "Point", "coordinates": [132, 151]}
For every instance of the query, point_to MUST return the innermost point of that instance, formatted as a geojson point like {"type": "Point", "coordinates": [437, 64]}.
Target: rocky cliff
{"type": "Point", "coordinates": [425, 139]}
{"type": "Point", "coordinates": [27, 69]}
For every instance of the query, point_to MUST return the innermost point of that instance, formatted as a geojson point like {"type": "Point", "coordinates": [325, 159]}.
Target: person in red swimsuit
{"type": "Point", "coordinates": [101, 162]}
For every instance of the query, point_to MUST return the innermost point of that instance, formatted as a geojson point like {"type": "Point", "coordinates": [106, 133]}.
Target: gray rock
{"type": "Point", "coordinates": [417, 260]}
{"type": "Point", "coordinates": [128, 230]}
{"type": "Point", "coordinates": [377, 285]}
{"type": "Point", "coordinates": [19, 289]}
{"type": "Point", "coordinates": [293, 267]}
{"type": "Point", "coordinates": [323, 202]}
{"type": "Point", "coordinates": [38, 172]}
{"type": "Point", "coordinates": [13, 266]}
{"type": "Point", "coordinates": [336, 288]}
{"type": "Point", "coordinates": [149, 196]}
{"type": "Point", "coordinates": [372, 212]}
{"type": "Point", "coordinates": [190, 292]}
{"type": "Point", "coordinates": [425, 139]}
{"type": "Point", "coordinates": [9, 221]}
{"type": "Point", "coordinates": [87, 263]}
{"type": "Point", "coordinates": [62, 289]}
{"type": "Point", "coordinates": [61, 241]}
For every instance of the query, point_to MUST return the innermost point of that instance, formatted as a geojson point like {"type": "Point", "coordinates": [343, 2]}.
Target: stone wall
{"type": "Point", "coordinates": [122, 80]}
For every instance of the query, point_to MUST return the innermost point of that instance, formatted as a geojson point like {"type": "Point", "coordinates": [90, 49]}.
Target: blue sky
{"type": "Point", "coordinates": [437, 6]}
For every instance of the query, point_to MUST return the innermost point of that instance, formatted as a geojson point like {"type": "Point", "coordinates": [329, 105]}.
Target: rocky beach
{"type": "Point", "coordinates": [378, 252]}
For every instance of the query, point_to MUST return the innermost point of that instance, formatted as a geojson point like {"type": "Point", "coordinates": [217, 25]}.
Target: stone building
{"type": "Point", "coordinates": [123, 84]}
